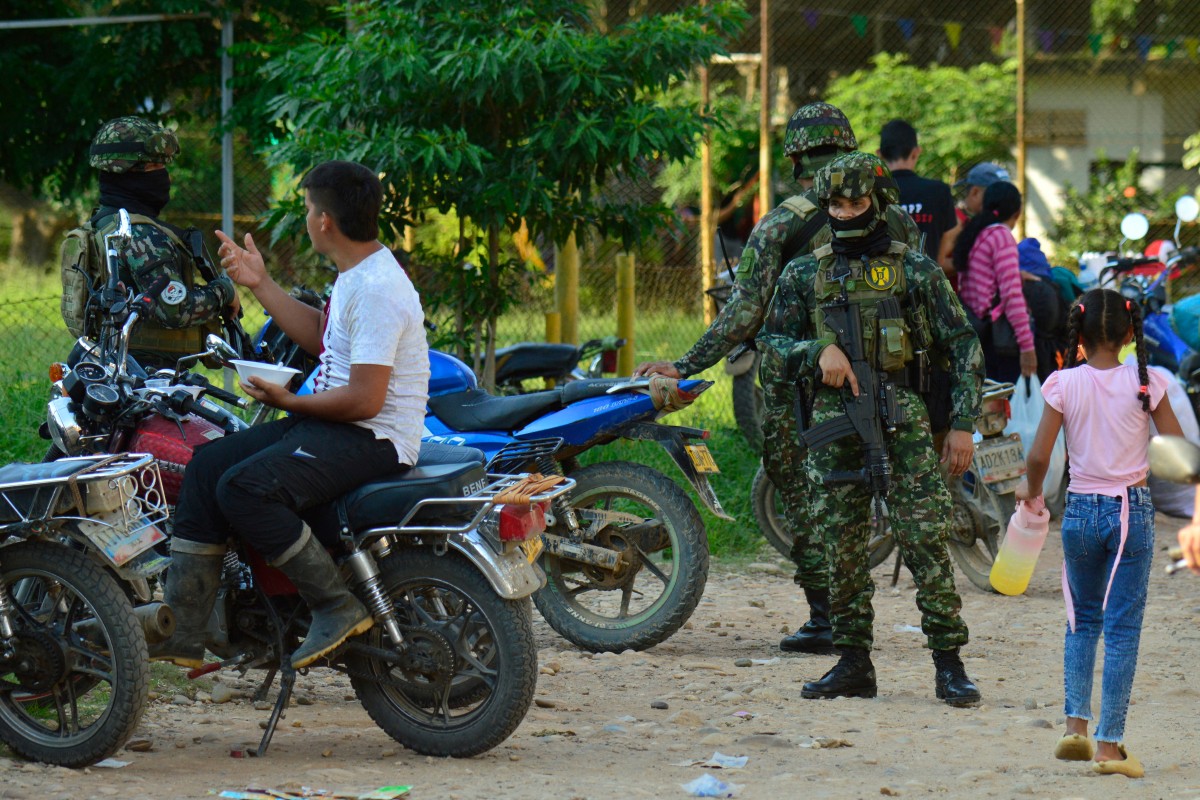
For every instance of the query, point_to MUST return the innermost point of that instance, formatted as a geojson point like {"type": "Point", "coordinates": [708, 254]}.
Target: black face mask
{"type": "Point", "coordinates": [137, 192]}
{"type": "Point", "coordinates": [869, 237]}
{"type": "Point", "coordinates": [798, 170]}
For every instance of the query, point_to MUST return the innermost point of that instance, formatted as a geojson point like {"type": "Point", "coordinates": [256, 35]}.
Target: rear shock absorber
{"type": "Point", "coordinates": [366, 573]}
{"type": "Point", "coordinates": [560, 506]}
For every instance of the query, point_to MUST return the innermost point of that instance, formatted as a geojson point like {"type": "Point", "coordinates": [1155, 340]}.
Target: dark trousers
{"type": "Point", "coordinates": [257, 483]}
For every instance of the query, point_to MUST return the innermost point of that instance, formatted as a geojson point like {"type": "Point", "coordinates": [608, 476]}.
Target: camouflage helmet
{"type": "Point", "coordinates": [126, 144]}
{"type": "Point", "coordinates": [855, 175]}
{"type": "Point", "coordinates": [817, 125]}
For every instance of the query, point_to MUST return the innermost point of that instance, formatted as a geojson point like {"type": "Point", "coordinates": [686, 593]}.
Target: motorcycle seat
{"type": "Point", "coordinates": [582, 390]}
{"type": "Point", "coordinates": [476, 410]}
{"type": "Point", "coordinates": [442, 470]}
{"type": "Point", "coordinates": [535, 360]}
{"type": "Point", "coordinates": [32, 500]}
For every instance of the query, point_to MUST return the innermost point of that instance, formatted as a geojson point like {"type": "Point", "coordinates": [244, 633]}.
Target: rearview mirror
{"type": "Point", "coordinates": [1174, 458]}
{"type": "Point", "coordinates": [1187, 208]}
{"type": "Point", "coordinates": [1135, 226]}
{"type": "Point", "coordinates": [220, 349]}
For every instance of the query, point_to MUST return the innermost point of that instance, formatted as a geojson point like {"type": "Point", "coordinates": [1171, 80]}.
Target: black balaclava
{"type": "Point", "coordinates": [860, 236]}
{"type": "Point", "coordinates": [137, 192]}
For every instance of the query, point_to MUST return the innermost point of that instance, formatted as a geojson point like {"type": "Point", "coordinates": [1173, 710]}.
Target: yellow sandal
{"type": "Point", "coordinates": [1129, 766]}
{"type": "Point", "coordinates": [1074, 747]}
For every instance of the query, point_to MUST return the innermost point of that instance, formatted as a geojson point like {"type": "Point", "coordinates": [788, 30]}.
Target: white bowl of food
{"type": "Point", "coordinates": [271, 373]}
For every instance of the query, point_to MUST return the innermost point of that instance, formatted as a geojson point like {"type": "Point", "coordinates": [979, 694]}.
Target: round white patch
{"type": "Point", "coordinates": [174, 294]}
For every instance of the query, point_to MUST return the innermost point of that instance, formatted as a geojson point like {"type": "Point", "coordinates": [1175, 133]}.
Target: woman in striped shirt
{"type": "Point", "coordinates": [989, 280]}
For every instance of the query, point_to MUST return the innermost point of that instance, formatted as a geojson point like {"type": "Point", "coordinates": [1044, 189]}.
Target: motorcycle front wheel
{"type": "Point", "coordinates": [74, 689]}
{"type": "Point", "coordinates": [662, 569]}
{"type": "Point", "coordinates": [768, 512]}
{"type": "Point", "coordinates": [465, 677]}
{"type": "Point", "coordinates": [972, 544]}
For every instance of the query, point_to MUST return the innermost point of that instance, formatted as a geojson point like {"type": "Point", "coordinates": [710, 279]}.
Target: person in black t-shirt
{"type": "Point", "coordinates": [928, 201]}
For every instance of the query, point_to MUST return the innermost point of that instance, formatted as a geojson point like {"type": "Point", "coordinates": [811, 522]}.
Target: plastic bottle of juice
{"type": "Point", "coordinates": [1027, 529]}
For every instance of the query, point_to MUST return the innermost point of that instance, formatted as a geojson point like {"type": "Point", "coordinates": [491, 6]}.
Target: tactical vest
{"type": "Point", "coordinates": [890, 329]}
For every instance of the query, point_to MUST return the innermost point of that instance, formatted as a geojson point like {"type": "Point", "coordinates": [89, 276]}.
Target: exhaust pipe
{"type": "Point", "coordinates": [157, 621]}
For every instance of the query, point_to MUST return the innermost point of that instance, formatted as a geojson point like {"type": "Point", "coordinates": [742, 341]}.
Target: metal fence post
{"type": "Point", "coordinates": [566, 288]}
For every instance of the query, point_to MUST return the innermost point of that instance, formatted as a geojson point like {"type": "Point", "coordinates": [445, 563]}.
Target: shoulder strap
{"type": "Point", "coordinates": [897, 248]}
{"type": "Point", "coordinates": [793, 246]}
{"type": "Point", "coordinates": [800, 204]}
{"type": "Point", "coordinates": [824, 251]}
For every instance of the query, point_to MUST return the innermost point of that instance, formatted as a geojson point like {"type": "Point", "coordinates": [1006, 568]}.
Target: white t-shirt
{"type": "Point", "coordinates": [375, 317]}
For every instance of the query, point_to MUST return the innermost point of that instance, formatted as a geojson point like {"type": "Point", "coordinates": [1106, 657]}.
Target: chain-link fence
{"type": "Point", "coordinates": [1095, 97]}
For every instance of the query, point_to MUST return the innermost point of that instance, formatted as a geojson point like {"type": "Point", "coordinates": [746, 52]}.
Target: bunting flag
{"type": "Point", "coordinates": [1095, 42]}
{"type": "Point", "coordinates": [1046, 40]}
{"type": "Point", "coordinates": [997, 36]}
{"type": "Point", "coordinates": [1172, 46]}
{"type": "Point", "coordinates": [811, 18]}
{"type": "Point", "coordinates": [1116, 41]}
{"type": "Point", "coordinates": [906, 25]}
{"type": "Point", "coordinates": [859, 21]}
{"type": "Point", "coordinates": [1192, 45]}
{"type": "Point", "coordinates": [1143, 46]}
{"type": "Point", "coordinates": [953, 33]}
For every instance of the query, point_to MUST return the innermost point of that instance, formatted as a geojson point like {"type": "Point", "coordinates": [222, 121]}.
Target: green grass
{"type": "Point", "coordinates": [32, 336]}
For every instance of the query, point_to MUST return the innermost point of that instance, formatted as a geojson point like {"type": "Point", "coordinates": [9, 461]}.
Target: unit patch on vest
{"type": "Point", "coordinates": [174, 294]}
{"type": "Point", "coordinates": [881, 274]}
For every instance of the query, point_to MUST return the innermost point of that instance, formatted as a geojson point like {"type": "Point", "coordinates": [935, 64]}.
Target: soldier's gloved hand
{"type": "Point", "coordinates": [958, 451]}
{"type": "Point", "coordinates": [235, 305]}
{"type": "Point", "coordinates": [657, 368]}
{"type": "Point", "coordinates": [835, 369]}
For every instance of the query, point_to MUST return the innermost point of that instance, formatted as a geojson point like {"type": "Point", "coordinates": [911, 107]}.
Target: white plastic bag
{"type": "Point", "coordinates": [1027, 406]}
{"type": "Point", "coordinates": [1176, 499]}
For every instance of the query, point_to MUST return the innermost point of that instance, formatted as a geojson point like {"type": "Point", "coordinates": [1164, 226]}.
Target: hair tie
{"type": "Point", "coordinates": [1129, 306]}
{"type": "Point", "coordinates": [1144, 389]}
{"type": "Point", "coordinates": [1082, 308]}
{"type": "Point", "coordinates": [995, 212]}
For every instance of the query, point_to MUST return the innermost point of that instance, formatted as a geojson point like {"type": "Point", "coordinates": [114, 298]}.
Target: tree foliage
{"type": "Point", "coordinates": [962, 116]}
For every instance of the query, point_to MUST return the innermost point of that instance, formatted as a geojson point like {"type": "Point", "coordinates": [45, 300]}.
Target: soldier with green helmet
{"type": "Point", "coordinates": [132, 155]}
{"type": "Point", "coordinates": [905, 309]}
{"type": "Point", "coordinates": [816, 134]}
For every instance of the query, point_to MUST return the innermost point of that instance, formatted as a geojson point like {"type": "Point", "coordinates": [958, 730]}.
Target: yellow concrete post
{"type": "Point", "coordinates": [626, 302]}
{"type": "Point", "coordinates": [566, 289]}
{"type": "Point", "coordinates": [708, 228]}
{"type": "Point", "coordinates": [553, 327]}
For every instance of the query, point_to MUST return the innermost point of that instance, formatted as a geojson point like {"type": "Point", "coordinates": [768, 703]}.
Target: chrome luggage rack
{"type": "Point", "coordinates": [116, 501]}
{"type": "Point", "coordinates": [485, 498]}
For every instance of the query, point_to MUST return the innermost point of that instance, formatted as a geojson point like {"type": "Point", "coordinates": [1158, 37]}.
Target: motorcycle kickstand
{"type": "Point", "coordinates": [260, 693]}
{"type": "Point", "coordinates": [285, 694]}
{"type": "Point", "coordinates": [896, 569]}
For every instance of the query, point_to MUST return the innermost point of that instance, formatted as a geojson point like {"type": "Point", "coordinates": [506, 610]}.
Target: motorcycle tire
{"type": "Point", "coordinates": [93, 686]}
{"type": "Point", "coordinates": [748, 405]}
{"type": "Point", "coordinates": [768, 512]}
{"type": "Point", "coordinates": [593, 607]}
{"type": "Point", "coordinates": [472, 666]}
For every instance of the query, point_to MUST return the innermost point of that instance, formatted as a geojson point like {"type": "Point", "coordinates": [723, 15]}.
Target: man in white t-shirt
{"type": "Point", "coordinates": [363, 422]}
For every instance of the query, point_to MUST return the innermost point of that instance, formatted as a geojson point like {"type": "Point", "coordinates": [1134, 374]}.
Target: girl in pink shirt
{"type": "Point", "coordinates": [1105, 408]}
{"type": "Point", "coordinates": [989, 279]}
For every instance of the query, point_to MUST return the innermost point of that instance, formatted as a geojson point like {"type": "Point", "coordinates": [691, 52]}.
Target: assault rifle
{"type": "Point", "coordinates": [869, 415]}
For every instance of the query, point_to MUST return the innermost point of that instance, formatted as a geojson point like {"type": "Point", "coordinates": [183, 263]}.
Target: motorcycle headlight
{"type": "Point", "coordinates": [64, 428]}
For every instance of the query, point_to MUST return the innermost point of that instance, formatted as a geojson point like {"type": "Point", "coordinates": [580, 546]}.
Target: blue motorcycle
{"type": "Point", "coordinates": [626, 558]}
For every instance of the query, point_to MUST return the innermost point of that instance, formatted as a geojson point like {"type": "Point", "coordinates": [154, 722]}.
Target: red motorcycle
{"type": "Point", "coordinates": [443, 554]}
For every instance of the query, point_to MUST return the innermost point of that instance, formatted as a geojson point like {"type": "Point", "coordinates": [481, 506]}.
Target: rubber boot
{"type": "Point", "coordinates": [852, 676]}
{"type": "Point", "coordinates": [336, 613]}
{"type": "Point", "coordinates": [191, 589]}
{"type": "Point", "coordinates": [816, 635]}
{"type": "Point", "coordinates": [950, 679]}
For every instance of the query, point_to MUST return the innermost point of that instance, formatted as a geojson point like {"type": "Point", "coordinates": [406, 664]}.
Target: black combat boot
{"type": "Point", "coordinates": [816, 635]}
{"type": "Point", "coordinates": [191, 589]}
{"type": "Point", "coordinates": [852, 676]}
{"type": "Point", "coordinates": [336, 613]}
{"type": "Point", "coordinates": [950, 679]}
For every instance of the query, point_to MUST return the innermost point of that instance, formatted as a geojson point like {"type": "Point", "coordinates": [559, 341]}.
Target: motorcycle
{"type": "Point", "coordinates": [554, 363]}
{"type": "Point", "coordinates": [78, 537]}
{"type": "Point", "coordinates": [443, 554]}
{"type": "Point", "coordinates": [1175, 459]}
{"type": "Point", "coordinates": [627, 557]}
{"type": "Point", "coordinates": [982, 497]}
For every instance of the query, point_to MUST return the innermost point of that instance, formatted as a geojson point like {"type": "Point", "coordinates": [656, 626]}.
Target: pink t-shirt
{"type": "Point", "coordinates": [992, 268]}
{"type": "Point", "coordinates": [1107, 431]}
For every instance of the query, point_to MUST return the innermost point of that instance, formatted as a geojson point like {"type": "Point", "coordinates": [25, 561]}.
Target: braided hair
{"type": "Point", "coordinates": [1101, 317]}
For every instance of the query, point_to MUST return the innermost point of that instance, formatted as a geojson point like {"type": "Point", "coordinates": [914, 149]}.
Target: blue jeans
{"type": "Point", "coordinates": [1091, 534]}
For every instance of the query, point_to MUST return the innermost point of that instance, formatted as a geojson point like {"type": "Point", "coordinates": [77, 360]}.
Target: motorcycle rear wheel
{"type": "Point", "coordinates": [76, 690]}
{"type": "Point", "coordinates": [768, 512]}
{"type": "Point", "coordinates": [971, 545]}
{"type": "Point", "coordinates": [473, 666]}
{"type": "Point", "coordinates": [654, 590]}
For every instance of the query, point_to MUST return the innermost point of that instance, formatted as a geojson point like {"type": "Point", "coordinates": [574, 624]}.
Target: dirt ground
{"type": "Point", "coordinates": [594, 733]}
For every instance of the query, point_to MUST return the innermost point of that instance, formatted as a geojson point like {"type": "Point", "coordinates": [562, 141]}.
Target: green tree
{"type": "Point", "coordinates": [962, 116]}
{"type": "Point", "coordinates": [502, 111]}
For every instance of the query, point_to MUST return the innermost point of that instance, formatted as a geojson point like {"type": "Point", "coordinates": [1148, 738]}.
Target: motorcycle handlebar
{"type": "Point", "coordinates": [192, 379]}
{"type": "Point", "coordinates": [189, 405]}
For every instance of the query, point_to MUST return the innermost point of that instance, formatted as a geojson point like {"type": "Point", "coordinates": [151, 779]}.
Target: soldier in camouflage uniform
{"type": "Point", "coordinates": [856, 189]}
{"type": "Point", "coordinates": [816, 134]}
{"type": "Point", "coordinates": [132, 155]}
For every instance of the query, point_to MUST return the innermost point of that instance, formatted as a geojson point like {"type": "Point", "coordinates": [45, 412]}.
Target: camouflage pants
{"type": "Point", "coordinates": [783, 460]}
{"type": "Point", "coordinates": [919, 506]}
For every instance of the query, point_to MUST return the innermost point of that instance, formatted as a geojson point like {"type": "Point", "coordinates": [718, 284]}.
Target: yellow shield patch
{"type": "Point", "coordinates": [881, 275]}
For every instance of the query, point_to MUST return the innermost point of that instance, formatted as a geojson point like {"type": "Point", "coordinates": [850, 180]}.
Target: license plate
{"type": "Point", "coordinates": [532, 548]}
{"type": "Point", "coordinates": [999, 459]}
{"type": "Point", "coordinates": [702, 460]}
